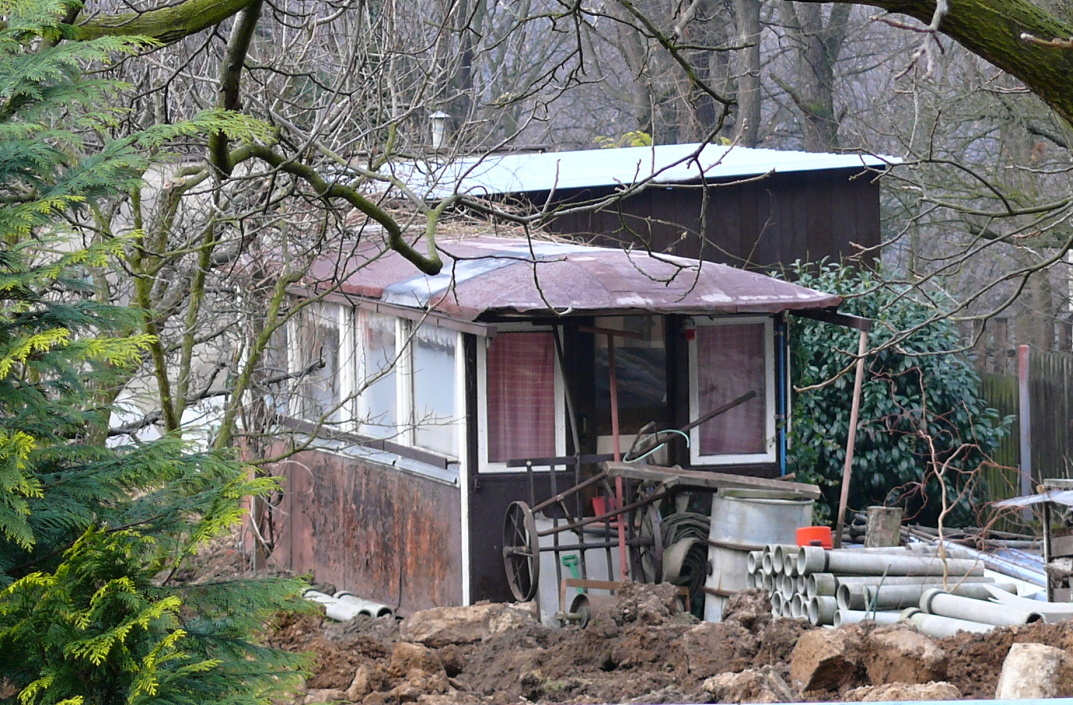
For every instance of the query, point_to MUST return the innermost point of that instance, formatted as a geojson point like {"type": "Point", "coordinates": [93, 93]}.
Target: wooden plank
{"type": "Point", "coordinates": [610, 585]}
{"type": "Point", "coordinates": [678, 477]}
{"type": "Point", "coordinates": [847, 320]}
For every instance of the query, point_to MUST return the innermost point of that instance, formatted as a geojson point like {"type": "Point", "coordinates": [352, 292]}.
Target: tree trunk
{"type": "Point", "coordinates": [993, 29]}
{"type": "Point", "coordinates": [747, 128]}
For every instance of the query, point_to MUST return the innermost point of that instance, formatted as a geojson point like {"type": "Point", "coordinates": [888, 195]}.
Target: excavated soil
{"type": "Point", "coordinates": [625, 655]}
{"type": "Point", "coordinates": [640, 650]}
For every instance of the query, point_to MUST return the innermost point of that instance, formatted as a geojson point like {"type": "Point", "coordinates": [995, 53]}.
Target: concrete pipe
{"type": "Point", "coordinates": [820, 584]}
{"type": "Point", "coordinates": [768, 582]}
{"type": "Point", "coordinates": [800, 585]}
{"type": "Point", "coordinates": [785, 559]}
{"type": "Point", "coordinates": [777, 602]}
{"type": "Point", "coordinates": [858, 616]}
{"type": "Point", "coordinates": [934, 580]}
{"type": "Point", "coordinates": [1051, 611]}
{"type": "Point", "coordinates": [750, 579]}
{"type": "Point", "coordinates": [817, 560]}
{"type": "Point", "coordinates": [850, 597]}
{"type": "Point", "coordinates": [798, 608]}
{"type": "Point", "coordinates": [755, 561]}
{"type": "Point", "coordinates": [787, 586]}
{"type": "Point", "coordinates": [821, 610]}
{"type": "Point", "coordinates": [942, 603]}
{"type": "Point", "coordinates": [938, 626]}
{"type": "Point", "coordinates": [767, 562]}
{"type": "Point", "coordinates": [350, 606]}
{"type": "Point", "coordinates": [891, 597]}
{"type": "Point", "coordinates": [778, 559]}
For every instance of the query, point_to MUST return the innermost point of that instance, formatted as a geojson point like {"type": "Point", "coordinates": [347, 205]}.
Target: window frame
{"type": "Point", "coordinates": [484, 465]}
{"type": "Point", "coordinates": [770, 409]}
{"type": "Point", "coordinates": [400, 441]}
{"type": "Point", "coordinates": [317, 314]}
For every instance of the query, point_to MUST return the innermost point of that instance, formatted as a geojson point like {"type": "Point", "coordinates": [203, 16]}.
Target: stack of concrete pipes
{"type": "Point", "coordinates": [842, 586]}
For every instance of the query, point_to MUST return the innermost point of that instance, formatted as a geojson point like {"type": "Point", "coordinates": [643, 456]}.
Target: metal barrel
{"type": "Point", "coordinates": [743, 521]}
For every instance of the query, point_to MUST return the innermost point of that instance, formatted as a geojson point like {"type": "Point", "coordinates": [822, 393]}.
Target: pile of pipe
{"type": "Point", "coordinates": [940, 596]}
{"type": "Point", "coordinates": [344, 606]}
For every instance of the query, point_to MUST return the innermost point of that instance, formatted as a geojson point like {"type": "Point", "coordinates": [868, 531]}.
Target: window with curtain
{"type": "Point", "coordinates": [730, 359]}
{"type": "Point", "coordinates": [521, 396]}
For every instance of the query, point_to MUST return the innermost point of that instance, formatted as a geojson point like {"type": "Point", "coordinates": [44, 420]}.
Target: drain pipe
{"type": "Point", "coordinates": [828, 583]}
{"type": "Point", "coordinates": [365, 607]}
{"type": "Point", "coordinates": [821, 610]}
{"type": "Point", "coordinates": [896, 597]}
{"type": "Point", "coordinates": [937, 626]}
{"type": "Point", "coordinates": [858, 616]}
{"type": "Point", "coordinates": [812, 559]}
{"type": "Point", "coordinates": [944, 604]}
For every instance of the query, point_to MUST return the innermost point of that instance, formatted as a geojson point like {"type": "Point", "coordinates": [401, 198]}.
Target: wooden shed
{"type": "Point", "coordinates": [752, 208]}
{"type": "Point", "coordinates": [434, 389]}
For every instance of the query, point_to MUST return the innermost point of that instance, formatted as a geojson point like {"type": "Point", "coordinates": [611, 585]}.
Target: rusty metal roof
{"type": "Point", "coordinates": [487, 277]}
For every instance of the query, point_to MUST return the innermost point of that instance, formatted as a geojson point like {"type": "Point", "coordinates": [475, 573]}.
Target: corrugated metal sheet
{"type": "Point", "coordinates": [664, 164]}
{"type": "Point", "coordinates": [484, 277]}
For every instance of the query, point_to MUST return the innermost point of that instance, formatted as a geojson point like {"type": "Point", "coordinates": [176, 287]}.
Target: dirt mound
{"type": "Point", "coordinates": [638, 648]}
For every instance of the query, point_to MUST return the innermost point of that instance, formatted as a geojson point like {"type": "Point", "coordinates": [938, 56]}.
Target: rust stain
{"type": "Point", "coordinates": [385, 535]}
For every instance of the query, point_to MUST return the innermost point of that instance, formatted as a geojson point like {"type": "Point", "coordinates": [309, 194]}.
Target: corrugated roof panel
{"type": "Point", "coordinates": [663, 164]}
{"type": "Point", "coordinates": [487, 277]}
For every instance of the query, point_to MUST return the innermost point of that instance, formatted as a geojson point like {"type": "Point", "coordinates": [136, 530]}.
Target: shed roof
{"type": "Point", "coordinates": [664, 164]}
{"type": "Point", "coordinates": [489, 277]}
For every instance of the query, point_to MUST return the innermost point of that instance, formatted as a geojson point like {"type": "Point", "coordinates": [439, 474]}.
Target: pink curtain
{"type": "Point", "coordinates": [730, 362]}
{"type": "Point", "coordinates": [521, 396]}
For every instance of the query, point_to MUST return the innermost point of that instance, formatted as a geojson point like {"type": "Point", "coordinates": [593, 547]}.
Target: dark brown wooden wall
{"type": "Point", "coordinates": [759, 224]}
{"type": "Point", "coordinates": [371, 530]}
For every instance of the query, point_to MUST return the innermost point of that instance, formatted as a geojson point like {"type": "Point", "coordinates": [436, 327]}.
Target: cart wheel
{"type": "Point", "coordinates": [521, 552]}
{"type": "Point", "coordinates": [650, 546]}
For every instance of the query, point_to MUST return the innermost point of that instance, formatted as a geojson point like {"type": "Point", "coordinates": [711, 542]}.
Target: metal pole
{"type": "Point", "coordinates": [847, 470]}
{"type": "Point", "coordinates": [1024, 407]}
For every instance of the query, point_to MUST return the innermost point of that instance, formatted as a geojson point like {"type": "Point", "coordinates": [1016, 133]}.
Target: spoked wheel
{"type": "Point", "coordinates": [521, 551]}
{"type": "Point", "coordinates": [650, 545]}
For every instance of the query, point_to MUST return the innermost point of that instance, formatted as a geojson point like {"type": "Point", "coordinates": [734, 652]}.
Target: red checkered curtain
{"type": "Point", "coordinates": [521, 396]}
{"type": "Point", "coordinates": [730, 362]}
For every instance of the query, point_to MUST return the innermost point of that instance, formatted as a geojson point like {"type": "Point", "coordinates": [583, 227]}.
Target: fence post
{"type": "Point", "coordinates": [1024, 415]}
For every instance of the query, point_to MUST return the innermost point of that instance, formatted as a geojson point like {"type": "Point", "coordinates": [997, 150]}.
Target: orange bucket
{"type": "Point", "coordinates": [814, 536]}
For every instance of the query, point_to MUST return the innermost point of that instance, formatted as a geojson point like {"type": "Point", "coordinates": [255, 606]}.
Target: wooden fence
{"type": "Point", "coordinates": [1050, 393]}
{"type": "Point", "coordinates": [1002, 480]}
{"type": "Point", "coordinates": [1050, 389]}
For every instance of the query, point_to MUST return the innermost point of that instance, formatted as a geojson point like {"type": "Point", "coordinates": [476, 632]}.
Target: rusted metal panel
{"type": "Point", "coordinates": [371, 529]}
{"type": "Point", "coordinates": [485, 276]}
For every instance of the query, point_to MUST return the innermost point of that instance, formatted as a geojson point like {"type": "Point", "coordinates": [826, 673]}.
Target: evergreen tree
{"type": "Point", "coordinates": [92, 537]}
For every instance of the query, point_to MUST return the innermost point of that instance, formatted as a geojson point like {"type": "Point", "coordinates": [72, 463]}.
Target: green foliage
{"type": "Point", "coordinates": [921, 410]}
{"type": "Point", "coordinates": [91, 536]}
{"type": "Point", "coordinates": [634, 138]}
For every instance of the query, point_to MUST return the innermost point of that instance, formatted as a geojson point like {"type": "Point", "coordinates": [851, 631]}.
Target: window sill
{"type": "Point", "coordinates": [414, 461]}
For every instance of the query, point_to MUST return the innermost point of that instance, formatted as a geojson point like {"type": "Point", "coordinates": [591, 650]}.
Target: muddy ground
{"type": "Point", "coordinates": [639, 651]}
